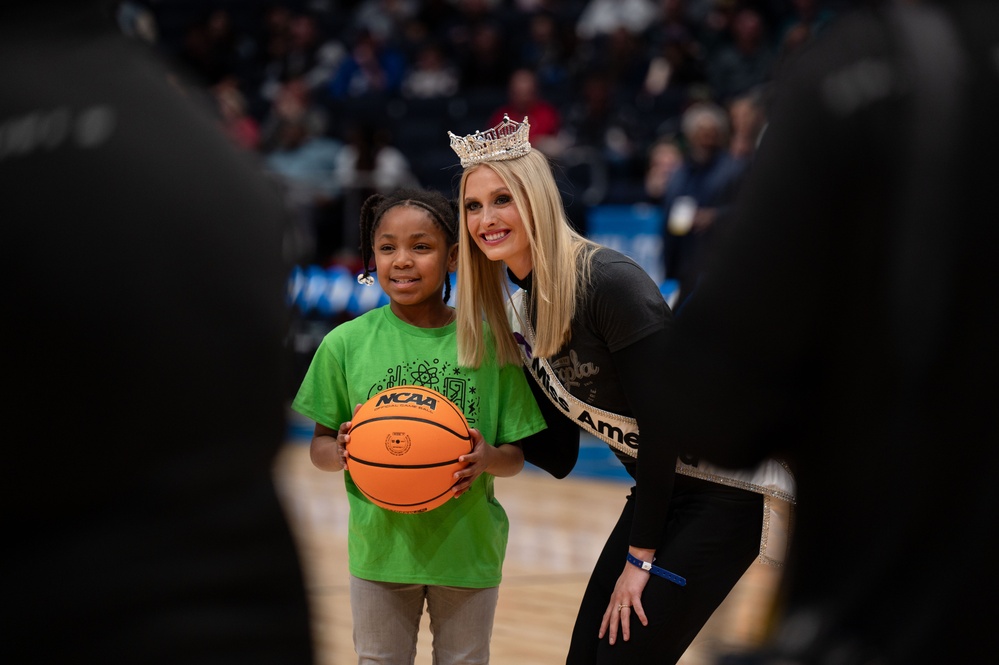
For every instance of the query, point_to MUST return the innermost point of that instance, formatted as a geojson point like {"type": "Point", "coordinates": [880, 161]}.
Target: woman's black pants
{"type": "Point", "coordinates": [712, 536]}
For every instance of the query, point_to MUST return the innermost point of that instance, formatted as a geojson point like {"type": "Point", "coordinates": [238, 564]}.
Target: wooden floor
{"type": "Point", "coordinates": [557, 528]}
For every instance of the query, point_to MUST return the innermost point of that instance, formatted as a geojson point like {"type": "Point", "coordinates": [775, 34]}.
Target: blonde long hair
{"type": "Point", "coordinates": [561, 260]}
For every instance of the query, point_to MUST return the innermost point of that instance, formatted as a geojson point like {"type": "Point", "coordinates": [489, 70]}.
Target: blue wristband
{"type": "Point", "coordinates": [656, 570]}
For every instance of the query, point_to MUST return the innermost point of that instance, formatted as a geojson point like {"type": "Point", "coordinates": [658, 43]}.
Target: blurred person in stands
{"type": "Point", "coordinates": [747, 116]}
{"type": "Point", "coordinates": [665, 156]}
{"type": "Point", "coordinates": [546, 47]}
{"type": "Point", "coordinates": [432, 75]}
{"type": "Point", "coordinates": [293, 46]}
{"type": "Point", "coordinates": [137, 20]}
{"type": "Point", "coordinates": [746, 62]}
{"type": "Point", "coordinates": [699, 193]}
{"type": "Point", "coordinates": [849, 324]}
{"type": "Point", "coordinates": [304, 157]}
{"type": "Point", "coordinates": [372, 67]}
{"type": "Point", "coordinates": [438, 20]}
{"type": "Point", "coordinates": [294, 103]}
{"type": "Point", "coordinates": [599, 121]}
{"type": "Point", "coordinates": [385, 19]}
{"type": "Point", "coordinates": [623, 53]}
{"type": "Point", "coordinates": [297, 150]}
{"type": "Point", "coordinates": [714, 20]}
{"type": "Point", "coordinates": [676, 63]}
{"type": "Point", "coordinates": [481, 50]}
{"type": "Point", "coordinates": [368, 164]}
{"type": "Point", "coordinates": [143, 361]}
{"type": "Point", "coordinates": [236, 120]}
{"type": "Point", "coordinates": [807, 18]}
{"type": "Point", "coordinates": [211, 49]}
{"type": "Point", "coordinates": [311, 55]}
{"type": "Point", "coordinates": [369, 160]}
{"type": "Point", "coordinates": [524, 99]}
{"type": "Point", "coordinates": [602, 18]}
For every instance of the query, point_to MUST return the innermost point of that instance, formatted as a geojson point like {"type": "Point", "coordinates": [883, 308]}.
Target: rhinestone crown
{"type": "Point", "coordinates": [507, 140]}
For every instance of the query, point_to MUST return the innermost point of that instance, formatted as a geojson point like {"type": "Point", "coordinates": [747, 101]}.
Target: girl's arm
{"type": "Point", "coordinates": [328, 448]}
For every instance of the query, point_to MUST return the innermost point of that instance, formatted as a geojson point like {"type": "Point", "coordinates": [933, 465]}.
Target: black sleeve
{"type": "Point", "coordinates": [556, 448]}
{"type": "Point", "coordinates": [656, 453]}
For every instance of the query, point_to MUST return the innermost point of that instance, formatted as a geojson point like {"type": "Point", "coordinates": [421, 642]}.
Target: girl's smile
{"type": "Point", "coordinates": [412, 260]}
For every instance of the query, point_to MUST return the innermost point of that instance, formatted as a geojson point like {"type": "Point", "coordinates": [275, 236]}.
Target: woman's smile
{"type": "Point", "coordinates": [494, 221]}
{"type": "Point", "coordinates": [494, 236]}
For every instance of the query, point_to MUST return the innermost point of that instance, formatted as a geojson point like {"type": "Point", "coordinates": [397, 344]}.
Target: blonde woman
{"type": "Point", "coordinates": [590, 327]}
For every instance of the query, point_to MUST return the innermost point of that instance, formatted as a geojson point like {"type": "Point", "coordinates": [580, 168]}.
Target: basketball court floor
{"type": "Point", "coordinates": [557, 528]}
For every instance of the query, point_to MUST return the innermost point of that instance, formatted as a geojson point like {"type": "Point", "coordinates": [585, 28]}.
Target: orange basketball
{"type": "Point", "coordinates": [404, 448]}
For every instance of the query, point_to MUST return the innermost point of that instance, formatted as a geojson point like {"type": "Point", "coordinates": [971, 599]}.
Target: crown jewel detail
{"type": "Point", "coordinates": [507, 140]}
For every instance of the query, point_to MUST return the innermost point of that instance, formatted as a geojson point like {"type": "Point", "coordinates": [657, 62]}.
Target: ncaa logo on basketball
{"type": "Point", "coordinates": [408, 399]}
{"type": "Point", "coordinates": [398, 443]}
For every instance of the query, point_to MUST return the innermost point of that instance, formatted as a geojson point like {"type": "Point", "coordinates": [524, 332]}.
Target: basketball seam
{"type": "Point", "coordinates": [405, 505]}
{"type": "Point", "coordinates": [464, 437]}
{"type": "Point", "coordinates": [385, 465]}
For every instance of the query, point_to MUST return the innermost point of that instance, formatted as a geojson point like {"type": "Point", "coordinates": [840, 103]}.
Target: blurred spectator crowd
{"type": "Point", "coordinates": [341, 98]}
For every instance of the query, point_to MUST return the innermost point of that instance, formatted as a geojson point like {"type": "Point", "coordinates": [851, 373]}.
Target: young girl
{"type": "Point", "coordinates": [593, 327]}
{"type": "Point", "coordinates": [450, 557]}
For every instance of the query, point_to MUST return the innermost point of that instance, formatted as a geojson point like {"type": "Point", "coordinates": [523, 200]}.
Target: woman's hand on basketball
{"type": "Point", "coordinates": [478, 461]}
{"type": "Point", "coordinates": [626, 601]}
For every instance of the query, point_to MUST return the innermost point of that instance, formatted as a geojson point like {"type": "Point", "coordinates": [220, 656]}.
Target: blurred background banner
{"type": "Point", "coordinates": [634, 230]}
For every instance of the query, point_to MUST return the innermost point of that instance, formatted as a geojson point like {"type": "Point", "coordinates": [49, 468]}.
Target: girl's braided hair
{"type": "Point", "coordinates": [442, 210]}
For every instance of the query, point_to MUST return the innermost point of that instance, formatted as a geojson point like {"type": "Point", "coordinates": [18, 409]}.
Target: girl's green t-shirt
{"type": "Point", "coordinates": [463, 542]}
